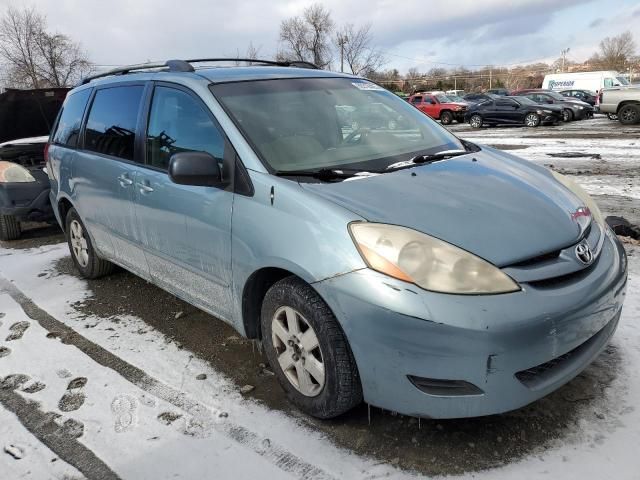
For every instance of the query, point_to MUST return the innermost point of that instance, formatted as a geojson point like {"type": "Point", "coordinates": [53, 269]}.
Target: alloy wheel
{"type": "Point", "coordinates": [476, 121]}
{"type": "Point", "coordinates": [298, 350]}
{"type": "Point", "coordinates": [628, 115]}
{"type": "Point", "coordinates": [532, 120]}
{"type": "Point", "coordinates": [79, 243]}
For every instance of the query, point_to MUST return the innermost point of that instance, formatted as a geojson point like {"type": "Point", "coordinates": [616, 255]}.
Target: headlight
{"type": "Point", "coordinates": [428, 262]}
{"type": "Point", "coordinates": [12, 172]}
{"type": "Point", "coordinates": [580, 107]}
{"type": "Point", "coordinates": [582, 195]}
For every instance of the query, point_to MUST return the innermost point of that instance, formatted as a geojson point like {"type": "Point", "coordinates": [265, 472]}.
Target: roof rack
{"type": "Point", "coordinates": [185, 66]}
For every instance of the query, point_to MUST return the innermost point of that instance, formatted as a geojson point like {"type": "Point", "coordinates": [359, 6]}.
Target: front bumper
{"type": "Point", "coordinates": [583, 114]}
{"type": "Point", "coordinates": [515, 348]}
{"type": "Point", "coordinates": [27, 201]}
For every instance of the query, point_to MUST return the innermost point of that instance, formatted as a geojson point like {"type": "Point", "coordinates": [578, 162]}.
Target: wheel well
{"type": "Point", "coordinates": [64, 206]}
{"type": "Point", "coordinates": [253, 294]}
{"type": "Point", "coordinates": [627, 102]}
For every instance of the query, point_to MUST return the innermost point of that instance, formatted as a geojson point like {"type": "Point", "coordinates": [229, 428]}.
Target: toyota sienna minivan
{"type": "Point", "coordinates": [380, 261]}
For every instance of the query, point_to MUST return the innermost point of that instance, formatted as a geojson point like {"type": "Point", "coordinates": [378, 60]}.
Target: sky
{"type": "Point", "coordinates": [411, 33]}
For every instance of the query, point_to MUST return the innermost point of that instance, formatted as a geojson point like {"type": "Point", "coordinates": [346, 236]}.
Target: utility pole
{"type": "Point", "coordinates": [563, 53]}
{"type": "Point", "coordinates": [342, 40]}
{"type": "Point", "coordinates": [490, 77]}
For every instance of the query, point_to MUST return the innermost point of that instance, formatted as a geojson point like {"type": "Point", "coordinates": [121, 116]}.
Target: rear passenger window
{"type": "Point", "coordinates": [111, 126]}
{"type": "Point", "coordinates": [71, 119]}
{"type": "Point", "coordinates": [416, 100]}
{"type": "Point", "coordinates": [178, 123]}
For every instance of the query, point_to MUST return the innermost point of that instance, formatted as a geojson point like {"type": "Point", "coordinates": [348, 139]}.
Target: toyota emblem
{"type": "Point", "coordinates": [584, 254]}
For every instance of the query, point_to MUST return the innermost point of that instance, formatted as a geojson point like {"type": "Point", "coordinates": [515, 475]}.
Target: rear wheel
{"type": "Point", "coordinates": [567, 115]}
{"type": "Point", "coordinates": [85, 258]}
{"type": "Point", "coordinates": [308, 351]}
{"type": "Point", "coordinates": [475, 121]}
{"type": "Point", "coordinates": [532, 120]}
{"type": "Point", "coordinates": [629, 114]}
{"type": "Point", "coordinates": [9, 227]}
{"type": "Point", "coordinates": [446, 117]}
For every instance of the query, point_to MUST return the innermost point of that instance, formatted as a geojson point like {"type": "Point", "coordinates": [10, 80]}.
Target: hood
{"type": "Point", "coordinates": [25, 141]}
{"type": "Point", "coordinates": [499, 207]}
{"type": "Point", "coordinates": [456, 104]}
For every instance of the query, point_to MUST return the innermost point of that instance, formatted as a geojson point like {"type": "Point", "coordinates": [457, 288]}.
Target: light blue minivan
{"type": "Point", "coordinates": [375, 255]}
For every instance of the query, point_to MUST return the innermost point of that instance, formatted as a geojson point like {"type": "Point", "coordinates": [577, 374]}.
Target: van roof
{"type": "Point", "coordinates": [257, 70]}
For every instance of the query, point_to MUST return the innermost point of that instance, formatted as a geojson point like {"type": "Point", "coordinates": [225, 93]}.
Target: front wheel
{"type": "Point", "coordinates": [629, 114]}
{"type": "Point", "coordinates": [446, 118]}
{"type": "Point", "coordinates": [567, 115]}
{"type": "Point", "coordinates": [475, 121]}
{"type": "Point", "coordinates": [308, 351]}
{"type": "Point", "coordinates": [9, 227]}
{"type": "Point", "coordinates": [85, 258]}
{"type": "Point", "coordinates": [532, 120]}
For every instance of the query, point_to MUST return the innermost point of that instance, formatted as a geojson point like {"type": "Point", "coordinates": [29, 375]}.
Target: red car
{"type": "Point", "coordinates": [439, 106]}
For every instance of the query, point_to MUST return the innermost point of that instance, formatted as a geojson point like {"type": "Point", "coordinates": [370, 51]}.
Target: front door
{"type": "Point", "coordinates": [104, 171]}
{"type": "Point", "coordinates": [185, 230]}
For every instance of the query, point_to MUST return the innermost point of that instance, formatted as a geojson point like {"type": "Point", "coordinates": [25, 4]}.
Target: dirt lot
{"type": "Point", "coordinates": [602, 155]}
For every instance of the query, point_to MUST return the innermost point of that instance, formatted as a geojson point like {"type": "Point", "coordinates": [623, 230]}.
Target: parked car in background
{"type": "Point", "coordinates": [439, 106]}
{"type": "Point", "coordinates": [593, 81]}
{"type": "Point", "coordinates": [376, 115]}
{"type": "Point", "coordinates": [479, 97]}
{"type": "Point", "coordinates": [24, 186]}
{"type": "Point", "coordinates": [411, 269]}
{"type": "Point", "coordinates": [512, 111]}
{"type": "Point", "coordinates": [573, 109]}
{"type": "Point", "coordinates": [586, 96]}
{"type": "Point", "coordinates": [623, 102]}
{"type": "Point", "coordinates": [498, 91]}
{"type": "Point", "coordinates": [454, 93]}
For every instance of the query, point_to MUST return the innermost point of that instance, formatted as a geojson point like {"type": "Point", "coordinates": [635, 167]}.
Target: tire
{"type": "Point", "coordinates": [567, 115]}
{"type": "Point", "coordinates": [629, 114]}
{"type": "Point", "coordinates": [324, 396]}
{"type": "Point", "coordinates": [446, 117]}
{"type": "Point", "coordinates": [9, 227]}
{"type": "Point", "coordinates": [612, 116]}
{"type": "Point", "coordinates": [85, 258]}
{"type": "Point", "coordinates": [532, 120]}
{"type": "Point", "coordinates": [475, 121]}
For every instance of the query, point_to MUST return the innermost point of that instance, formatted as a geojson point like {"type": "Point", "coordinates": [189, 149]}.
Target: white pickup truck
{"type": "Point", "coordinates": [623, 102]}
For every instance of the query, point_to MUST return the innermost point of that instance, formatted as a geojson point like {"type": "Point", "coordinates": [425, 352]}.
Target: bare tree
{"type": "Point", "coordinates": [251, 52]}
{"type": "Point", "coordinates": [307, 38]}
{"type": "Point", "coordinates": [35, 58]}
{"type": "Point", "coordinates": [358, 53]}
{"type": "Point", "coordinates": [616, 52]}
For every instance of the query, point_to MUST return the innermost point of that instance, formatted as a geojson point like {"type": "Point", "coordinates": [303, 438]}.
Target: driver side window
{"type": "Point", "coordinates": [178, 123]}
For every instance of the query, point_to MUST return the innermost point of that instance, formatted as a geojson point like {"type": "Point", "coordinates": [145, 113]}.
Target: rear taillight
{"type": "Point", "coordinates": [46, 152]}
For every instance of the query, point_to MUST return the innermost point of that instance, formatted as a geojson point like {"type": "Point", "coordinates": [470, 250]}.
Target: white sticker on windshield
{"type": "Point", "coordinates": [366, 86]}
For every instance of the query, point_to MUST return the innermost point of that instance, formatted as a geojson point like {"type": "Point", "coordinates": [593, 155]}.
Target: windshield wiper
{"type": "Point", "coordinates": [434, 157]}
{"type": "Point", "coordinates": [326, 174]}
{"type": "Point", "coordinates": [427, 158]}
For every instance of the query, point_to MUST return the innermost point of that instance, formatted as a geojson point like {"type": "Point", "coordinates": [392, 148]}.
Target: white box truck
{"type": "Point", "coordinates": [594, 81]}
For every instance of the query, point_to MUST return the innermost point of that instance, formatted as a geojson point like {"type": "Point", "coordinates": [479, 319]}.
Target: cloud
{"type": "Point", "coordinates": [597, 22]}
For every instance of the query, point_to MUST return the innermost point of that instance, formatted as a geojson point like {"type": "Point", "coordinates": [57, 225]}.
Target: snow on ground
{"type": "Point", "coordinates": [120, 418]}
{"type": "Point", "coordinates": [35, 460]}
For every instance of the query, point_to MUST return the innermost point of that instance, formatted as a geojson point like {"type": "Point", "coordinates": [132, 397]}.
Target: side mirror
{"type": "Point", "coordinates": [195, 168]}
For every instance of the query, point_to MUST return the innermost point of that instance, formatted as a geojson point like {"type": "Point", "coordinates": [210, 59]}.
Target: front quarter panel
{"type": "Point", "coordinates": [299, 232]}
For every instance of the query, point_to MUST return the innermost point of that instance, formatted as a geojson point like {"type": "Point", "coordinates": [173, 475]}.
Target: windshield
{"type": "Point", "coordinates": [328, 123]}
{"type": "Point", "coordinates": [555, 95]}
{"type": "Point", "coordinates": [525, 101]}
{"type": "Point", "coordinates": [443, 98]}
{"type": "Point", "coordinates": [622, 80]}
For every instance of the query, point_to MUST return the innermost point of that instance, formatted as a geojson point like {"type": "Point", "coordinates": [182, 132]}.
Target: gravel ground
{"type": "Point", "coordinates": [604, 158]}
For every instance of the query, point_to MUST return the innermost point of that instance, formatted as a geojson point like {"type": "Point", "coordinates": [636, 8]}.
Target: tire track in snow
{"type": "Point", "coordinates": [275, 454]}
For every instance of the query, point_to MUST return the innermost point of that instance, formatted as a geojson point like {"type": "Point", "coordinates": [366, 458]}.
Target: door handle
{"type": "Point", "coordinates": [144, 187]}
{"type": "Point", "coordinates": [124, 180]}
